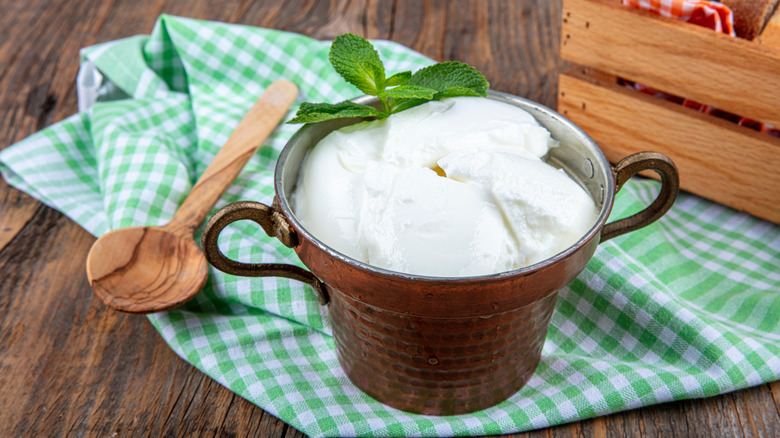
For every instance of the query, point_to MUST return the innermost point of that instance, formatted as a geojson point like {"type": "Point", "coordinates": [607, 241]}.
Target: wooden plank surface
{"type": "Point", "coordinates": [717, 159]}
{"type": "Point", "coordinates": [70, 366]}
{"type": "Point", "coordinates": [731, 74]}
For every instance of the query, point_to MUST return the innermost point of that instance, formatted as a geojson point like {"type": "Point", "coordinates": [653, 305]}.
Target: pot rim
{"type": "Point", "coordinates": [533, 108]}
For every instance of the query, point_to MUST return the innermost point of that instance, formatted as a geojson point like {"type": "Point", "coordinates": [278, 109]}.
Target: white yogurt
{"type": "Point", "coordinates": [451, 188]}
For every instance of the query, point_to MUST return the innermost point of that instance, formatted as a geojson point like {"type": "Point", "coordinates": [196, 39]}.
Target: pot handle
{"type": "Point", "coordinates": [274, 224]}
{"type": "Point", "coordinates": [670, 186]}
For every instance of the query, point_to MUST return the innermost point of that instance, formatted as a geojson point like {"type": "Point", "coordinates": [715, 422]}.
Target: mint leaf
{"type": "Point", "coordinates": [451, 79]}
{"type": "Point", "coordinates": [399, 105]}
{"type": "Point", "coordinates": [319, 112]}
{"type": "Point", "coordinates": [358, 63]}
{"type": "Point", "coordinates": [460, 91]}
{"type": "Point", "coordinates": [408, 92]}
{"type": "Point", "coordinates": [398, 79]}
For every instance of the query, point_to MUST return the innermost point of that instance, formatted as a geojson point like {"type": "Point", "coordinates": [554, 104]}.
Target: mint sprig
{"type": "Point", "coordinates": [356, 60]}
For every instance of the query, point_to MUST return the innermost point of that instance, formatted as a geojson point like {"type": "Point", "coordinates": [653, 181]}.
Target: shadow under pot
{"type": "Point", "coordinates": [435, 345]}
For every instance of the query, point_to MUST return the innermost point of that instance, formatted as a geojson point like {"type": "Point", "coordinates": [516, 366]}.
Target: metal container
{"type": "Point", "coordinates": [433, 345]}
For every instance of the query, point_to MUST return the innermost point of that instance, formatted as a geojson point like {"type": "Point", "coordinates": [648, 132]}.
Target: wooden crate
{"type": "Point", "coordinates": [717, 159]}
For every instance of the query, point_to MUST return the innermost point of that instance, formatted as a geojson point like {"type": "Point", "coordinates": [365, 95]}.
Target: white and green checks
{"type": "Point", "coordinates": [687, 307]}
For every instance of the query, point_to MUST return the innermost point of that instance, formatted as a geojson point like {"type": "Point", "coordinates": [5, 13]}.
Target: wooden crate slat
{"type": "Point", "coordinates": [732, 74]}
{"type": "Point", "coordinates": [770, 36]}
{"type": "Point", "coordinates": [717, 159]}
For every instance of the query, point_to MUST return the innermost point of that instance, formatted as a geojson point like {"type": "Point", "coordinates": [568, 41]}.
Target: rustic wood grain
{"type": "Point", "coordinates": [717, 159]}
{"type": "Point", "coordinates": [732, 74]}
{"type": "Point", "coordinates": [71, 366]}
{"type": "Point", "coordinates": [770, 37]}
{"type": "Point", "coordinates": [21, 208]}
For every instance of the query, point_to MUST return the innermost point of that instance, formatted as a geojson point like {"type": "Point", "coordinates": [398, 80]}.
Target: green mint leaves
{"type": "Point", "coordinates": [356, 60]}
{"type": "Point", "coordinates": [319, 112]}
{"type": "Point", "coordinates": [358, 63]}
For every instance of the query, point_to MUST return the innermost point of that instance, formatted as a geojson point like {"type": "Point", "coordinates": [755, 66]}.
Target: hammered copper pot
{"type": "Point", "coordinates": [433, 345]}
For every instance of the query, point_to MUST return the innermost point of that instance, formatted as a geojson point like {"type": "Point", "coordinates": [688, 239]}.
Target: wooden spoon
{"type": "Point", "coordinates": [148, 269]}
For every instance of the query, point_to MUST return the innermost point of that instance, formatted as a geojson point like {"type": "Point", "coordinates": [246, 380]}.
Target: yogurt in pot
{"type": "Point", "coordinates": [449, 188]}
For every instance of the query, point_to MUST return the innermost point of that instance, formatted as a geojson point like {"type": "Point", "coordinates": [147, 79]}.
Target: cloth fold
{"type": "Point", "coordinates": [686, 307]}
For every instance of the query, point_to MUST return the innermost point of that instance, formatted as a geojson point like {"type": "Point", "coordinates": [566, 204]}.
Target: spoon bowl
{"type": "Point", "coordinates": [165, 269]}
{"type": "Point", "coordinates": [149, 269]}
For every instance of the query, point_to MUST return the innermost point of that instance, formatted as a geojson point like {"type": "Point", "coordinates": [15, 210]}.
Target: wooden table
{"type": "Point", "coordinates": [70, 366]}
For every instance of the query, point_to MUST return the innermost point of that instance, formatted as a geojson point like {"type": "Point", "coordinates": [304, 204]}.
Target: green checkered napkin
{"type": "Point", "coordinates": [687, 307]}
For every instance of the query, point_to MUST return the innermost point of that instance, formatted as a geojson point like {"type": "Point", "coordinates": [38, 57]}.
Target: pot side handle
{"type": "Point", "coordinates": [670, 186]}
{"type": "Point", "coordinates": [275, 225]}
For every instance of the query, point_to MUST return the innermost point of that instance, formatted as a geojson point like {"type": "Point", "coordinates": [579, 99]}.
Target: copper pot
{"type": "Point", "coordinates": [433, 345]}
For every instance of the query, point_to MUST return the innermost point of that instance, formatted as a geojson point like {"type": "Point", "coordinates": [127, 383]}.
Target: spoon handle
{"type": "Point", "coordinates": [250, 133]}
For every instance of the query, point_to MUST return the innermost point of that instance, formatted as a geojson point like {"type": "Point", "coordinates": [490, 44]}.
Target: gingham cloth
{"type": "Point", "coordinates": [711, 14]}
{"type": "Point", "coordinates": [687, 307]}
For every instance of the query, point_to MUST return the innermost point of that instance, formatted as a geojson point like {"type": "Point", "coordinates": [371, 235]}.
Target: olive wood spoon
{"type": "Point", "coordinates": [148, 269]}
